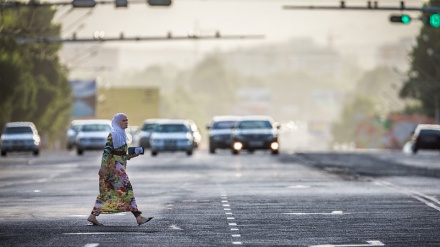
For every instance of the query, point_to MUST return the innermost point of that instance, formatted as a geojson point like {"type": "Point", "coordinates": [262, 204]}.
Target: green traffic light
{"type": "Point", "coordinates": [406, 19]}
{"type": "Point", "coordinates": [434, 20]}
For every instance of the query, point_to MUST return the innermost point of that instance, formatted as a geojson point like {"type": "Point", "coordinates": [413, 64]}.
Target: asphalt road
{"type": "Point", "coordinates": [374, 198]}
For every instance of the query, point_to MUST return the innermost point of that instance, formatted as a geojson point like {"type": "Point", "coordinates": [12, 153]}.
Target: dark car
{"type": "Point", "coordinates": [255, 133]}
{"type": "Point", "coordinates": [426, 136]}
{"type": "Point", "coordinates": [220, 130]}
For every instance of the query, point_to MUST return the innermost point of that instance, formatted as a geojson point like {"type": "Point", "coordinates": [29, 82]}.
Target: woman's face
{"type": "Point", "coordinates": [123, 122]}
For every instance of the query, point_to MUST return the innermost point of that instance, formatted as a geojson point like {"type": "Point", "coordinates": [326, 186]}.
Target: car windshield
{"type": "Point", "coordinates": [95, 127]}
{"type": "Point", "coordinates": [171, 128]}
{"type": "Point", "coordinates": [429, 132]}
{"type": "Point", "coordinates": [255, 124]}
{"type": "Point", "coordinates": [224, 125]}
{"type": "Point", "coordinates": [148, 126]}
{"type": "Point", "coordinates": [75, 127]}
{"type": "Point", "coordinates": [18, 130]}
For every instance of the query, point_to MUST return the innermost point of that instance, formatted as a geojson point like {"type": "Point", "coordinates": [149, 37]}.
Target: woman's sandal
{"type": "Point", "coordinates": [145, 220]}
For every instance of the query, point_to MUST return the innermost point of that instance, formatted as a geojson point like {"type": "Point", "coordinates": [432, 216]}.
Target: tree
{"type": "Point", "coordinates": [34, 85]}
{"type": "Point", "coordinates": [423, 82]}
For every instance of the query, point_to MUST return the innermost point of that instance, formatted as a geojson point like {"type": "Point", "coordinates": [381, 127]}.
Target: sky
{"type": "Point", "coordinates": [352, 33]}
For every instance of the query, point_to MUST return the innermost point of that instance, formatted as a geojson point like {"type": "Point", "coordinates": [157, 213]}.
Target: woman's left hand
{"type": "Point", "coordinates": [132, 156]}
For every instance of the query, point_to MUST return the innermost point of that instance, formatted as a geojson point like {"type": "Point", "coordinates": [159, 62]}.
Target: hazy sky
{"type": "Point", "coordinates": [356, 33]}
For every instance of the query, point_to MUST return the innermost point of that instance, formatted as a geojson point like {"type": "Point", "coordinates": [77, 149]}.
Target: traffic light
{"type": "Point", "coordinates": [404, 19]}
{"type": "Point", "coordinates": [434, 20]}
{"type": "Point", "coordinates": [159, 2]}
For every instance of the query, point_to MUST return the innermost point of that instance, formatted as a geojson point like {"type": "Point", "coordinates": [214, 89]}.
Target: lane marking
{"type": "Point", "coordinates": [101, 233]}
{"type": "Point", "coordinates": [236, 243]}
{"type": "Point", "coordinates": [332, 213]}
{"type": "Point", "coordinates": [232, 224]}
{"type": "Point", "coordinates": [226, 205]}
{"type": "Point", "coordinates": [300, 186]}
{"type": "Point", "coordinates": [230, 218]}
{"type": "Point", "coordinates": [234, 229]}
{"type": "Point", "coordinates": [175, 227]}
{"type": "Point", "coordinates": [236, 235]}
{"type": "Point", "coordinates": [370, 243]}
{"type": "Point", "coordinates": [427, 200]}
{"type": "Point", "coordinates": [91, 245]}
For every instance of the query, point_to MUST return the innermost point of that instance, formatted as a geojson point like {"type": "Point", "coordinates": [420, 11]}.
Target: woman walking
{"type": "Point", "coordinates": [115, 190]}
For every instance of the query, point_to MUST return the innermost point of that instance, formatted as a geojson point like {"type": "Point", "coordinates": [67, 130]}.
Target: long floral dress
{"type": "Point", "coordinates": [115, 190]}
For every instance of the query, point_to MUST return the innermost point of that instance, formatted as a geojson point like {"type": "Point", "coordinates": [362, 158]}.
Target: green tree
{"type": "Point", "coordinates": [423, 82]}
{"type": "Point", "coordinates": [33, 84]}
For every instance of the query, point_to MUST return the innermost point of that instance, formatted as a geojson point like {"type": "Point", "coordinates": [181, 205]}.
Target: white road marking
{"type": "Point", "coordinates": [102, 233]}
{"type": "Point", "coordinates": [236, 235]}
{"type": "Point", "coordinates": [230, 218]}
{"type": "Point", "coordinates": [300, 186]}
{"type": "Point", "coordinates": [332, 213]}
{"type": "Point", "coordinates": [224, 201]}
{"type": "Point", "coordinates": [234, 229]}
{"type": "Point", "coordinates": [228, 213]}
{"type": "Point", "coordinates": [226, 205]}
{"type": "Point", "coordinates": [227, 209]}
{"type": "Point", "coordinates": [91, 245]}
{"type": "Point", "coordinates": [370, 243]}
{"type": "Point", "coordinates": [427, 200]}
{"type": "Point", "coordinates": [232, 224]}
{"type": "Point", "coordinates": [174, 227]}
{"type": "Point", "coordinates": [236, 242]}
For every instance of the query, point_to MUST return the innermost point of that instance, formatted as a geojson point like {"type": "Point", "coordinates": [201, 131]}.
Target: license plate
{"type": "Point", "coordinates": [255, 144]}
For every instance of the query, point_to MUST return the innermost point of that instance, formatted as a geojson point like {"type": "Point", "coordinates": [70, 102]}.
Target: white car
{"type": "Point", "coordinates": [20, 137]}
{"type": "Point", "coordinates": [92, 135]}
{"type": "Point", "coordinates": [172, 136]}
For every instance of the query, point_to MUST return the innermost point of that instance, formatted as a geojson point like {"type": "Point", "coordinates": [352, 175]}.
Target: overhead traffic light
{"type": "Point", "coordinates": [159, 2]}
{"type": "Point", "coordinates": [404, 19]}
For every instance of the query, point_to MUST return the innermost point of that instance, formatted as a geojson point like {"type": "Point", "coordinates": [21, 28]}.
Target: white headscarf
{"type": "Point", "coordinates": [118, 134]}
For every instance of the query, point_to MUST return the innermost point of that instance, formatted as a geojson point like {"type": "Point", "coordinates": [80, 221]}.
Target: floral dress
{"type": "Point", "coordinates": [115, 190]}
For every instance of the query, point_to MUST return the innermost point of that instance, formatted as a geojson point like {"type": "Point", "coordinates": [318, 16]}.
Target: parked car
{"type": "Point", "coordinates": [72, 132]}
{"type": "Point", "coordinates": [254, 133]}
{"type": "Point", "coordinates": [219, 131]}
{"type": "Point", "coordinates": [20, 137]}
{"type": "Point", "coordinates": [195, 132]}
{"type": "Point", "coordinates": [426, 136]}
{"type": "Point", "coordinates": [171, 136]}
{"type": "Point", "coordinates": [92, 135]}
{"type": "Point", "coordinates": [145, 132]}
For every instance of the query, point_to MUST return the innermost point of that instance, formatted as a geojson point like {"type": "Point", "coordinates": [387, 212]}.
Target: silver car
{"type": "Point", "coordinates": [19, 137]}
{"type": "Point", "coordinates": [171, 136]}
{"type": "Point", "coordinates": [92, 135]}
{"type": "Point", "coordinates": [72, 132]}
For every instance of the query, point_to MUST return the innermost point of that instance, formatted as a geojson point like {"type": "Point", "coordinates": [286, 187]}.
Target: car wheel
{"type": "Point", "coordinates": [3, 153]}
{"type": "Point", "coordinates": [211, 150]}
{"type": "Point", "coordinates": [414, 150]}
{"type": "Point", "coordinates": [153, 153]}
{"type": "Point", "coordinates": [275, 152]}
{"type": "Point", "coordinates": [189, 153]}
{"type": "Point", "coordinates": [36, 152]}
{"type": "Point", "coordinates": [251, 151]}
{"type": "Point", "coordinates": [80, 152]}
{"type": "Point", "coordinates": [234, 152]}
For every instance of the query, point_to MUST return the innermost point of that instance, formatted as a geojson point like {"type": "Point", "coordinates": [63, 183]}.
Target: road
{"type": "Point", "coordinates": [360, 198]}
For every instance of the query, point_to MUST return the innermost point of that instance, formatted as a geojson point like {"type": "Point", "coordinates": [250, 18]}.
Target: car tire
{"type": "Point", "coordinates": [80, 152]}
{"type": "Point", "coordinates": [211, 150]}
{"type": "Point", "coordinates": [189, 153]}
{"type": "Point", "coordinates": [153, 153]}
{"type": "Point", "coordinates": [3, 153]}
{"type": "Point", "coordinates": [414, 150]}
{"type": "Point", "coordinates": [36, 152]}
{"type": "Point", "coordinates": [234, 152]}
{"type": "Point", "coordinates": [275, 152]}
